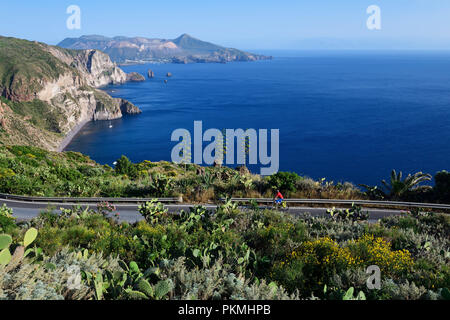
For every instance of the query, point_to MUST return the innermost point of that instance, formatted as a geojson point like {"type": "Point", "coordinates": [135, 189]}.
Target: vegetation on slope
{"type": "Point", "coordinates": [25, 66]}
{"type": "Point", "coordinates": [32, 123]}
{"type": "Point", "coordinates": [36, 172]}
{"type": "Point", "coordinates": [33, 171]}
{"type": "Point", "coordinates": [232, 254]}
{"type": "Point", "coordinates": [36, 112]}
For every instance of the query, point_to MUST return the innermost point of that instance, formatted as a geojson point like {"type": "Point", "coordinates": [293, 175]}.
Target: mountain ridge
{"type": "Point", "coordinates": [184, 49]}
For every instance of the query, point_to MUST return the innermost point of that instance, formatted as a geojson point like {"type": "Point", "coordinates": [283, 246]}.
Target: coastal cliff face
{"type": "Point", "coordinates": [97, 68]}
{"type": "Point", "coordinates": [48, 91]}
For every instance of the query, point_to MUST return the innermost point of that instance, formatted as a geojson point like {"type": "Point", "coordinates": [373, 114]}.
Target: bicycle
{"type": "Point", "coordinates": [280, 205]}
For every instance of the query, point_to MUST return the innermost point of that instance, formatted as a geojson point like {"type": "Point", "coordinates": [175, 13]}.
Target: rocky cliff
{"type": "Point", "coordinates": [49, 91]}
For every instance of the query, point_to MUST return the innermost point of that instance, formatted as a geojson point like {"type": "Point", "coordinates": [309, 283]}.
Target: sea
{"type": "Point", "coordinates": [342, 115]}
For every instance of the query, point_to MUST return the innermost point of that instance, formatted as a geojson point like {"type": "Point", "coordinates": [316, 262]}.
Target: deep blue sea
{"type": "Point", "coordinates": [346, 116]}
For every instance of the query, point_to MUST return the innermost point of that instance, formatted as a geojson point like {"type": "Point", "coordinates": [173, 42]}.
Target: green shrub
{"type": "Point", "coordinates": [284, 181]}
{"type": "Point", "coordinates": [126, 167]}
{"type": "Point", "coordinates": [52, 278]}
{"type": "Point", "coordinates": [66, 174]}
{"type": "Point", "coordinates": [24, 150]}
{"type": "Point", "coordinates": [6, 173]}
{"type": "Point", "coordinates": [442, 186]}
{"type": "Point", "coordinates": [89, 171]}
{"type": "Point", "coordinates": [7, 221]}
{"type": "Point", "coordinates": [153, 212]}
{"type": "Point", "coordinates": [238, 253]}
{"type": "Point", "coordinates": [355, 213]}
{"type": "Point", "coordinates": [217, 282]}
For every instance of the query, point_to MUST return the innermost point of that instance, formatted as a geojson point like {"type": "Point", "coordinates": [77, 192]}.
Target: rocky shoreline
{"type": "Point", "coordinates": [125, 107]}
{"type": "Point", "coordinates": [69, 137]}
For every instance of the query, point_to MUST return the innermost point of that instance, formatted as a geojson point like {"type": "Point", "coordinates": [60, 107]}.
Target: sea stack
{"type": "Point", "coordinates": [151, 74]}
{"type": "Point", "coordinates": [135, 77]}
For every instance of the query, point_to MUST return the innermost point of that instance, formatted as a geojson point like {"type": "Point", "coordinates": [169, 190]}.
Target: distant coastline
{"type": "Point", "coordinates": [182, 50]}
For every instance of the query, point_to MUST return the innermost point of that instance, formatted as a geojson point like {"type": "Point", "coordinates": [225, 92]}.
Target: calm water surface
{"type": "Point", "coordinates": [346, 116]}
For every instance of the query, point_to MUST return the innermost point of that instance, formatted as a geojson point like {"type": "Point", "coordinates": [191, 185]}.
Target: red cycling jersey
{"type": "Point", "coordinates": [280, 196]}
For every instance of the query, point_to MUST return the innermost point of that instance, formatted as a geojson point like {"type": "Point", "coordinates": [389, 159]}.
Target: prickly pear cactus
{"type": "Point", "coordinates": [145, 287]}
{"type": "Point", "coordinates": [162, 288]}
{"type": "Point", "coordinates": [5, 241]}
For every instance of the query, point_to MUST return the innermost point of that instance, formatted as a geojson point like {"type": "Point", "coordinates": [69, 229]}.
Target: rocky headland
{"type": "Point", "coordinates": [47, 92]}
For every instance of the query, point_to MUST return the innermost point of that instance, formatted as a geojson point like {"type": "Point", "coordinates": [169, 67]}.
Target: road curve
{"type": "Point", "coordinates": [24, 210]}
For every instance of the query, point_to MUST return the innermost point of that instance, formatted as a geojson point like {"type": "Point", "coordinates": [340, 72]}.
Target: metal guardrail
{"type": "Point", "coordinates": [242, 200]}
{"type": "Point", "coordinates": [87, 200]}
{"type": "Point", "coordinates": [348, 202]}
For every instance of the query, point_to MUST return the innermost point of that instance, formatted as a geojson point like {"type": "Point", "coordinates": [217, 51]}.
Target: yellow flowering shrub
{"type": "Point", "coordinates": [314, 262]}
{"type": "Point", "coordinates": [311, 265]}
{"type": "Point", "coordinates": [6, 173]}
{"type": "Point", "coordinates": [363, 252]}
{"type": "Point", "coordinates": [372, 250]}
{"type": "Point", "coordinates": [326, 252]}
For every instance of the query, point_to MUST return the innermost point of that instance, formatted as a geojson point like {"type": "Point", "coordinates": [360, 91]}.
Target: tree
{"type": "Point", "coordinates": [442, 187]}
{"type": "Point", "coordinates": [125, 166]}
{"type": "Point", "coordinates": [397, 187]}
{"type": "Point", "coordinates": [284, 181]}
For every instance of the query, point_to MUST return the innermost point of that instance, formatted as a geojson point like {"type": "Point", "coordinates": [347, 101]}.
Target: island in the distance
{"type": "Point", "coordinates": [184, 49]}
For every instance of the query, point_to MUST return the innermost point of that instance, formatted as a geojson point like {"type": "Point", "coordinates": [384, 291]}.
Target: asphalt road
{"type": "Point", "coordinates": [128, 212]}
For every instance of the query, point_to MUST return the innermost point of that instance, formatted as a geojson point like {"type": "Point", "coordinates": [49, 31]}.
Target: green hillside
{"type": "Point", "coordinates": [23, 67]}
{"type": "Point", "coordinates": [36, 172]}
{"type": "Point", "coordinates": [43, 90]}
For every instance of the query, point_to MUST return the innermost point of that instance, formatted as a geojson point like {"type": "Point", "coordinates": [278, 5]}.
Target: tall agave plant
{"type": "Point", "coordinates": [397, 186]}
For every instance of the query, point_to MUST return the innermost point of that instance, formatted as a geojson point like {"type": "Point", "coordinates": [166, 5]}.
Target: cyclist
{"type": "Point", "coordinates": [278, 198]}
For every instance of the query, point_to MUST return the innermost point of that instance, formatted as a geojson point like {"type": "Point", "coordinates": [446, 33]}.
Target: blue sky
{"type": "Point", "coordinates": [246, 24]}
